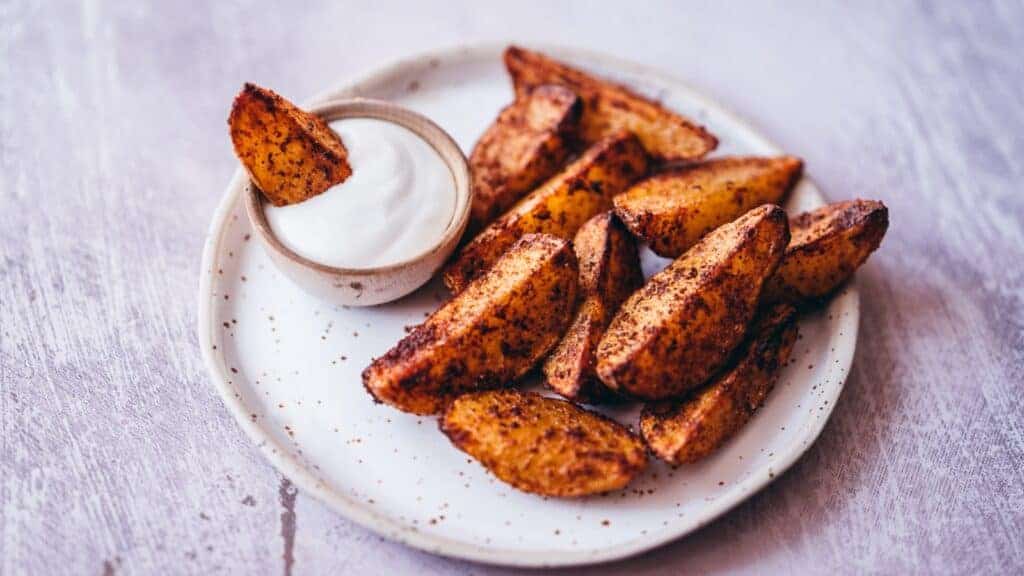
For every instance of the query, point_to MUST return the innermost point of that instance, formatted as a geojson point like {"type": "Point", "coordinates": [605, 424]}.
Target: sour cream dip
{"type": "Point", "coordinates": [397, 203]}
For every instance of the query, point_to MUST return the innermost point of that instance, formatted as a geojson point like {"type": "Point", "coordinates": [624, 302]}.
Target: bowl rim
{"type": "Point", "coordinates": [438, 139]}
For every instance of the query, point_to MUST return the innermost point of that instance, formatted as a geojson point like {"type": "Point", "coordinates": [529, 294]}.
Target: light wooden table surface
{"type": "Point", "coordinates": [116, 455]}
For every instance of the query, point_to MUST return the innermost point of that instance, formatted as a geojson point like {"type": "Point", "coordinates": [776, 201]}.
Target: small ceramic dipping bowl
{"type": "Point", "coordinates": [374, 285]}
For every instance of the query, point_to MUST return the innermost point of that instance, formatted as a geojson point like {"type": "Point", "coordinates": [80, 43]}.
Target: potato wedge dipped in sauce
{"type": "Point", "coordinates": [290, 154]}
{"type": "Point", "coordinates": [543, 445]}
{"type": "Point", "coordinates": [609, 273]}
{"type": "Point", "coordinates": [559, 207]}
{"type": "Point", "coordinates": [609, 107]}
{"type": "Point", "coordinates": [679, 329]}
{"type": "Point", "coordinates": [526, 145]}
{"type": "Point", "coordinates": [688, 430]}
{"type": "Point", "coordinates": [826, 248]}
{"type": "Point", "coordinates": [671, 211]}
{"type": "Point", "coordinates": [489, 335]}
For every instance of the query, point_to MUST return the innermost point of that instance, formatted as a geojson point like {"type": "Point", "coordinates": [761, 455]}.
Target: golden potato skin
{"type": "Point", "coordinates": [675, 332]}
{"type": "Point", "coordinates": [527, 144]}
{"type": "Point", "coordinates": [543, 445]}
{"type": "Point", "coordinates": [827, 247]}
{"type": "Point", "coordinates": [671, 211]}
{"type": "Point", "coordinates": [487, 336]}
{"type": "Point", "coordinates": [609, 107]}
{"type": "Point", "coordinates": [559, 207]}
{"type": "Point", "coordinates": [686, 431]}
{"type": "Point", "coordinates": [290, 154]}
{"type": "Point", "coordinates": [609, 273]}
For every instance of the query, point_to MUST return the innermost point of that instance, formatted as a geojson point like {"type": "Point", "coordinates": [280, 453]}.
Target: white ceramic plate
{"type": "Point", "coordinates": [288, 367]}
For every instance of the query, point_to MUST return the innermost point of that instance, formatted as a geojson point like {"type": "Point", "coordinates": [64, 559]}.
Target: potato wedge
{"type": "Point", "coordinates": [543, 445]}
{"type": "Point", "coordinates": [685, 431]}
{"type": "Point", "coordinates": [673, 210]}
{"type": "Point", "coordinates": [290, 155]}
{"type": "Point", "coordinates": [487, 336]}
{"type": "Point", "coordinates": [609, 107]}
{"type": "Point", "coordinates": [609, 273]}
{"type": "Point", "coordinates": [675, 332]}
{"type": "Point", "coordinates": [559, 207]}
{"type": "Point", "coordinates": [526, 145]}
{"type": "Point", "coordinates": [827, 247]}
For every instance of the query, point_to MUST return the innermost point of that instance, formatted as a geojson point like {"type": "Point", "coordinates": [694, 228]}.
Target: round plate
{"type": "Point", "coordinates": [288, 367]}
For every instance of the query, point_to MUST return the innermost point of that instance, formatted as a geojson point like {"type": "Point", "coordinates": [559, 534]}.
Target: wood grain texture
{"type": "Point", "coordinates": [116, 456]}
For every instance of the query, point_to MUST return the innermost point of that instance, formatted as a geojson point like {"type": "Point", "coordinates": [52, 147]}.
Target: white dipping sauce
{"type": "Point", "coordinates": [396, 204]}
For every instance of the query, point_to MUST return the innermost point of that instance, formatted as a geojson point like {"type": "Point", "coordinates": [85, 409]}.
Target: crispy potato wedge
{"type": "Point", "coordinates": [489, 335]}
{"type": "Point", "coordinates": [827, 247]}
{"type": "Point", "coordinates": [685, 431]}
{"type": "Point", "coordinates": [609, 273]}
{"type": "Point", "coordinates": [290, 155]}
{"type": "Point", "coordinates": [526, 145]}
{"type": "Point", "coordinates": [543, 445]}
{"type": "Point", "coordinates": [671, 211]}
{"type": "Point", "coordinates": [609, 107]}
{"type": "Point", "coordinates": [675, 332]}
{"type": "Point", "coordinates": [559, 207]}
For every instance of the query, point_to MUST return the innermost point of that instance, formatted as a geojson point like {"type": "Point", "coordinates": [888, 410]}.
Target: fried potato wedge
{"type": "Point", "coordinates": [675, 332]}
{"type": "Point", "coordinates": [543, 445]}
{"type": "Point", "coordinates": [525, 146]}
{"type": "Point", "coordinates": [559, 207]}
{"type": "Point", "coordinates": [290, 154]}
{"type": "Point", "coordinates": [609, 107]}
{"type": "Point", "coordinates": [609, 273]}
{"type": "Point", "coordinates": [827, 247]}
{"type": "Point", "coordinates": [673, 210]}
{"type": "Point", "coordinates": [489, 335]}
{"type": "Point", "coordinates": [685, 431]}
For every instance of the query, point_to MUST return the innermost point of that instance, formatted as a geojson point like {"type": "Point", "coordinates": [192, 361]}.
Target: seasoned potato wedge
{"type": "Point", "coordinates": [559, 207]}
{"type": "Point", "coordinates": [489, 335]}
{"type": "Point", "coordinates": [543, 445]}
{"type": "Point", "coordinates": [526, 145]}
{"type": "Point", "coordinates": [673, 210]}
{"type": "Point", "coordinates": [678, 329]}
{"type": "Point", "coordinates": [609, 107]}
{"type": "Point", "coordinates": [685, 431]}
{"type": "Point", "coordinates": [827, 247]}
{"type": "Point", "coordinates": [290, 154]}
{"type": "Point", "coordinates": [609, 273]}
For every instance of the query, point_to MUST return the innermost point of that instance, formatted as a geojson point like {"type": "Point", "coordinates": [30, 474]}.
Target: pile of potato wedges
{"type": "Point", "coordinates": [570, 179]}
{"type": "Point", "coordinates": [573, 176]}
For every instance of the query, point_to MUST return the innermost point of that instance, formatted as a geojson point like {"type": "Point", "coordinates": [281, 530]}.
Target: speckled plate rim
{"type": "Point", "coordinates": [279, 457]}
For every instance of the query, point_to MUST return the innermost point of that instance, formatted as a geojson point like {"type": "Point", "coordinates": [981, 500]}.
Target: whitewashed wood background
{"type": "Point", "coordinates": [118, 457]}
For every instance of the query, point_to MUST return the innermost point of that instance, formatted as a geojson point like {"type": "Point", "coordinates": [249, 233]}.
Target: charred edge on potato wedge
{"type": "Point", "coordinates": [290, 154]}
{"type": "Point", "coordinates": [559, 207]}
{"type": "Point", "coordinates": [671, 211]}
{"type": "Point", "coordinates": [487, 336]}
{"type": "Point", "coordinates": [527, 144]}
{"type": "Point", "coordinates": [675, 332]}
{"type": "Point", "coordinates": [608, 107]}
{"type": "Point", "coordinates": [686, 431]}
{"type": "Point", "coordinates": [827, 247]}
{"type": "Point", "coordinates": [543, 445]}
{"type": "Point", "coordinates": [609, 273]}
